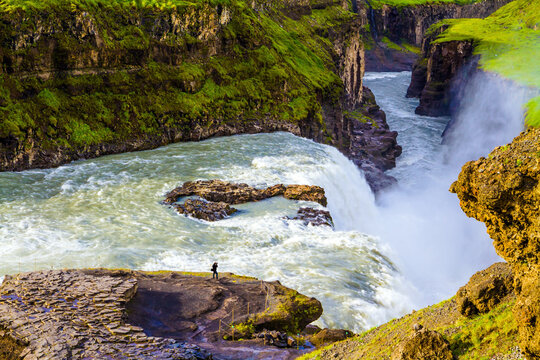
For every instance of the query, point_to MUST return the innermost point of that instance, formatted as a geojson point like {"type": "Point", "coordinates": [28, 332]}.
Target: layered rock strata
{"type": "Point", "coordinates": [71, 315]}
{"type": "Point", "coordinates": [81, 314]}
{"type": "Point", "coordinates": [502, 191]}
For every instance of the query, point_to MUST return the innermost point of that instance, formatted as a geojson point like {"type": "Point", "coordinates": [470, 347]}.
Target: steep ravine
{"type": "Point", "coordinates": [399, 29]}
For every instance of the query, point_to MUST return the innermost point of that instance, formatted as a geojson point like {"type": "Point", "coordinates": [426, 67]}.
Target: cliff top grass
{"type": "Point", "coordinates": [485, 336]}
{"type": "Point", "coordinates": [377, 4]}
{"type": "Point", "coordinates": [29, 5]}
{"type": "Point", "coordinates": [152, 79]}
{"type": "Point", "coordinates": [508, 43]}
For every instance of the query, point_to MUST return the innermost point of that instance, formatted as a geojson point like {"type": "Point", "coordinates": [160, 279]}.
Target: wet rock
{"type": "Point", "coordinates": [423, 345]}
{"type": "Point", "coordinates": [231, 193]}
{"type": "Point", "coordinates": [485, 290]}
{"type": "Point", "coordinates": [205, 210]}
{"type": "Point", "coordinates": [315, 217]}
{"type": "Point", "coordinates": [327, 336]}
{"type": "Point", "coordinates": [503, 191]}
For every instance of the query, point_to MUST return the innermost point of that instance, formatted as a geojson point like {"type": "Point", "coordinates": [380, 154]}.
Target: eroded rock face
{"type": "Point", "coordinates": [72, 315]}
{"type": "Point", "coordinates": [410, 24]}
{"type": "Point", "coordinates": [503, 192]}
{"type": "Point", "coordinates": [485, 290]}
{"type": "Point", "coordinates": [231, 193]}
{"type": "Point", "coordinates": [99, 313]}
{"type": "Point", "coordinates": [440, 73]}
{"type": "Point", "coordinates": [424, 345]}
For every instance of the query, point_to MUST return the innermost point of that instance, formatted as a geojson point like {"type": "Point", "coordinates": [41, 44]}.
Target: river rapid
{"type": "Point", "coordinates": [410, 247]}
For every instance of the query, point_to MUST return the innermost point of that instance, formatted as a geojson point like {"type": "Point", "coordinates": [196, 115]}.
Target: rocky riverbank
{"type": "Point", "coordinates": [81, 314]}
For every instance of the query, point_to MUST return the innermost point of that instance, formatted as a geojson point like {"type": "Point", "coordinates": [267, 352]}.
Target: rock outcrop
{"type": "Point", "coordinates": [440, 73]}
{"type": "Point", "coordinates": [71, 315]}
{"type": "Point", "coordinates": [327, 336]}
{"type": "Point", "coordinates": [81, 314]}
{"type": "Point", "coordinates": [424, 345]}
{"type": "Point", "coordinates": [502, 191]}
{"type": "Point", "coordinates": [485, 290]}
{"type": "Point", "coordinates": [231, 193]}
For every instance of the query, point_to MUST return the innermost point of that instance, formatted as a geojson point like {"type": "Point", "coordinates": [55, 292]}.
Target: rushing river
{"type": "Point", "coordinates": [411, 247]}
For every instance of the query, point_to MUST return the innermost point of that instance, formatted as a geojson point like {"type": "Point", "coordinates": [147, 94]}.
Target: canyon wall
{"type": "Point", "coordinates": [393, 26]}
{"type": "Point", "coordinates": [80, 82]}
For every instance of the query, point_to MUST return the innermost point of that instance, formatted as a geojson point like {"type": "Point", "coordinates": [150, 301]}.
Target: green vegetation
{"type": "Point", "coordinates": [377, 4]}
{"type": "Point", "coordinates": [403, 46]}
{"type": "Point", "coordinates": [139, 78]}
{"type": "Point", "coordinates": [481, 337]}
{"type": "Point", "coordinates": [508, 42]}
{"type": "Point", "coordinates": [9, 347]}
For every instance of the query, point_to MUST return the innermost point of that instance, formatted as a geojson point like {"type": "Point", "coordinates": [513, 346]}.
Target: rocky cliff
{"type": "Point", "coordinates": [440, 73]}
{"type": "Point", "coordinates": [502, 191]}
{"type": "Point", "coordinates": [393, 26]}
{"type": "Point", "coordinates": [88, 79]}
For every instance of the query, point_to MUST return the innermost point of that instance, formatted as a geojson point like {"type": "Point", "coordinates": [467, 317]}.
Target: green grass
{"type": "Point", "coordinates": [377, 4]}
{"type": "Point", "coordinates": [508, 43]}
{"type": "Point", "coordinates": [479, 338]}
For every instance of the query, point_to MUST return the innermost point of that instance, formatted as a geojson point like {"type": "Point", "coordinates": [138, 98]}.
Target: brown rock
{"type": "Point", "coordinates": [231, 193]}
{"type": "Point", "coordinates": [205, 210]}
{"type": "Point", "coordinates": [503, 191]}
{"type": "Point", "coordinates": [424, 345]}
{"type": "Point", "coordinates": [485, 290]}
{"type": "Point", "coordinates": [327, 336]}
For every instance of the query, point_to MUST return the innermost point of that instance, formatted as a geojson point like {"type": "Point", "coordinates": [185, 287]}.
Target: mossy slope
{"type": "Point", "coordinates": [483, 337]}
{"type": "Point", "coordinates": [508, 43]}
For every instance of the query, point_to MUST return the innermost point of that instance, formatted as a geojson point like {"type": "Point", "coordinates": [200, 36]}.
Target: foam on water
{"type": "Point", "coordinates": [435, 245]}
{"type": "Point", "coordinates": [107, 212]}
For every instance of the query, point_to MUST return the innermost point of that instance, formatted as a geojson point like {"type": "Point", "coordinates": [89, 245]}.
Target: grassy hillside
{"type": "Point", "coordinates": [508, 42]}
{"type": "Point", "coordinates": [488, 336]}
{"type": "Point", "coordinates": [82, 72]}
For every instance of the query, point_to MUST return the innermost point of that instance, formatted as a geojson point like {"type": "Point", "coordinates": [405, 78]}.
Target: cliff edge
{"type": "Point", "coordinates": [503, 191]}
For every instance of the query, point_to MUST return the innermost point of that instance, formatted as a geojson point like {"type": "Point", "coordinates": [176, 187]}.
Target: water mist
{"type": "Point", "coordinates": [435, 245]}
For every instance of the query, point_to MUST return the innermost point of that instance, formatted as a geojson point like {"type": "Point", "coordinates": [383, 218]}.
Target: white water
{"type": "Point", "coordinates": [107, 212]}
{"type": "Point", "coordinates": [436, 246]}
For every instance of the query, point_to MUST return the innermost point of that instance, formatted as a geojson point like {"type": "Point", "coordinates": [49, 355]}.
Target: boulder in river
{"type": "Point", "coordinates": [205, 210]}
{"type": "Point", "coordinates": [231, 193]}
{"type": "Point", "coordinates": [315, 217]}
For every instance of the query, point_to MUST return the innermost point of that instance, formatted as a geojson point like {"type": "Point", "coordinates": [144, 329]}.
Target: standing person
{"type": "Point", "coordinates": [214, 270]}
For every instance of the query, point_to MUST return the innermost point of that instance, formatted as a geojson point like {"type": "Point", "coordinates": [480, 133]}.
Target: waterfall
{"type": "Point", "coordinates": [435, 245]}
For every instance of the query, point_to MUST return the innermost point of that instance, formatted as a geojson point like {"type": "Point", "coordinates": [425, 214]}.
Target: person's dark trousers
{"type": "Point", "coordinates": [215, 275]}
